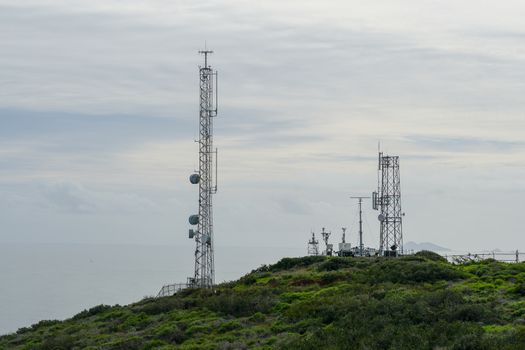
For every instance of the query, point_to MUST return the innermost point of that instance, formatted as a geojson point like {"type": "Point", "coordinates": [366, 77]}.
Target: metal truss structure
{"type": "Point", "coordinates": [313, 246]}
{"type": "Point", "coordinates": [206, 178]}
{"type": "Point", "coordinates": [387, 200]}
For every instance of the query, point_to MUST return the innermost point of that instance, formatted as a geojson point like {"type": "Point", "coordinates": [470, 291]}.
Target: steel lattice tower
{"type": "Point", "coordinates": [387, 200]}
{"type": "Point", "coordinates": [313, 246]}
{"type": "Point", "coordinates": [204, 276]}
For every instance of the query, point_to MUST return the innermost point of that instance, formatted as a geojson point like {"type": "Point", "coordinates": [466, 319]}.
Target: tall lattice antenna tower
{"type": "Point", "coordinates": [204, 276]}
{"type": "Point", "coordinates": [313, 246]}
{"type": "Point", "coordinates": [387, 200]}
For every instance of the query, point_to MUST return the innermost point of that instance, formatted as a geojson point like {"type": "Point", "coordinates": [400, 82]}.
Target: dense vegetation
{"type": "Point", "coordinates": [413, 302]}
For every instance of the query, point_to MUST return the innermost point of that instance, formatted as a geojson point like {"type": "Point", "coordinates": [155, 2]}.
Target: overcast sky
{"type": "Point", "coordinates": [99, 108]}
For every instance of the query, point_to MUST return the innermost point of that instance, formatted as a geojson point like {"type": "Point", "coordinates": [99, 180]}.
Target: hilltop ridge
{"type": "Point", "coordinates": [411, 302]}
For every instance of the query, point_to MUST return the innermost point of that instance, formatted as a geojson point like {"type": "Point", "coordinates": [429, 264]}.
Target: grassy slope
{"type": "Point", "coordinates": [417, 302]}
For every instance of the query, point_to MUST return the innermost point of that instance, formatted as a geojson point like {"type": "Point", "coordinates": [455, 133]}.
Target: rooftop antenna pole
{"type": "Point", "coordinates": [204, 276]}
{"type": "Point", "coordinates": [360, 202]}
{"type": "Point", "coordinates": [344, 234]}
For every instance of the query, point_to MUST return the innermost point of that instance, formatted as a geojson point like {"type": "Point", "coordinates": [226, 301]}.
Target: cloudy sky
{"type": "Point", "coordinates": [99, 107]}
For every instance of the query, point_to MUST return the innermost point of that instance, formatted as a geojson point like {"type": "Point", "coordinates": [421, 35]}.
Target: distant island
{"type": "Point", "coordinates": [418, 301]}
{"type": "Point", "coordinates": [416, 247]}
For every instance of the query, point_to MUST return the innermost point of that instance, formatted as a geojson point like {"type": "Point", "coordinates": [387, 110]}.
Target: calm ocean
{"type": "Point", "coordinates": [56, 281]}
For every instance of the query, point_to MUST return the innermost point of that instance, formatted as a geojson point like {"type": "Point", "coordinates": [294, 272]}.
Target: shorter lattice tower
{"type": "Point", "coordinates": [387, 200]}
{"type": "Point", "coordinates": [313, 246]}
{"type": "Point", "coordinates": [326, 236]}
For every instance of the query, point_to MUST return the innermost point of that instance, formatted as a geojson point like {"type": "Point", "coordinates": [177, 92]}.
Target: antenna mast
{"type": "Point", "coordinates": [360, 203]}
{"type": "Point", "coordinates": [204, 276]}
{"type": "Point", "coordinates": [387, 200]}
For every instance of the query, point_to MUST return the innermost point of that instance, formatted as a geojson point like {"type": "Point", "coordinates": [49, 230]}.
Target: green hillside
{"type": "Point", "coordinates": [413, 302]}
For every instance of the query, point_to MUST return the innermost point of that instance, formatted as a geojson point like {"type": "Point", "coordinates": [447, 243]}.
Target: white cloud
{"type": "Point", "coordinates": [307, 88]}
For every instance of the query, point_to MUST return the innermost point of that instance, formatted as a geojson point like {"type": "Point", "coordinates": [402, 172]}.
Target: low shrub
{"type": "Point", "coordinates": [60, 342]}
{"type": "Point", "coordinates": [154, 344]}
{"type": "Point", "coordinates": [136, 321]}
{"type": "Point", "coordinates": [290, 263]}
{"type": "Point", "coordinates": [332, 277]}
{"type": "Point", "coordinates": [336, 263]}
{"type": "Point", "coordinates": [244, 303]}
{"type": "Point", "coordinates": [133, 343]}
{"type": "Point", "coordinates": [248, 279]}
{"type": "Point", "coordinates": [95, 310]}
{"type": "Point", "coordinates": [171, 332]}
{"type": "Point", "coordinates": [43, 324]}
{"type": "Point", "coordinates": [430, 255]}
{"type": "Point", "coordinates": [161, 305]}
{"type": "Point", "coordinates": [229, 326]}
{"type": "Point", "coordinates": [519, 289]}
{"type": "Point", "coordinates": [405, 271]}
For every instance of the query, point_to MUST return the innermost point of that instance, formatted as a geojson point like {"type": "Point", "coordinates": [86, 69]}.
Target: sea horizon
{"type": "Point", "coordinates": [62, 279]}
